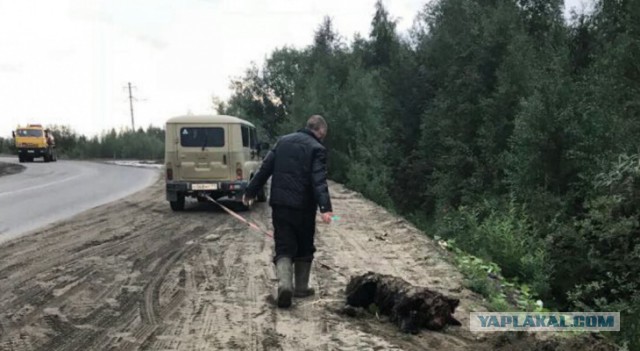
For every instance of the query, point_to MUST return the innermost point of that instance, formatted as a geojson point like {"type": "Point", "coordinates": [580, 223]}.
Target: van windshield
{"type": "Point", "coordinates": [202, 137]}
{"type": "Point", "coordinates": [29, 132]}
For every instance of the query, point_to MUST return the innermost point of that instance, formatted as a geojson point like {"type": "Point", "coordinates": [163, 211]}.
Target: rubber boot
{"type": "Point", "coordinates": [302, 271]}
{"type": "Point", "coordinates": [284, 273]}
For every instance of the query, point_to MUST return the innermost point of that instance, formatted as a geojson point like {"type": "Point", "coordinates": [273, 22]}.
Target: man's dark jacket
{"type": "Point", "coordinates": [298, 164]}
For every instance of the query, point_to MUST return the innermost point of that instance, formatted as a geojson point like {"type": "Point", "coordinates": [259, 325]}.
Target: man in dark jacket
{"type": "Point", "coordinates": [298, 167]}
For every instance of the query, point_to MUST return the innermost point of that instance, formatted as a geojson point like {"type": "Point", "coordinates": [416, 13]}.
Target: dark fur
{"type": "Point", "coordinates": [409, 307]}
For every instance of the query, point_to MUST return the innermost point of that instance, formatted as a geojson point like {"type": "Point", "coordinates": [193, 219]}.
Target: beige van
{"type": "Point", "coordinates": [213, 155]}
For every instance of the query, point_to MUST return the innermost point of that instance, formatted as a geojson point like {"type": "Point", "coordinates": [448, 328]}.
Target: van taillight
{"type": "Point", "coordinates": [169, 174]}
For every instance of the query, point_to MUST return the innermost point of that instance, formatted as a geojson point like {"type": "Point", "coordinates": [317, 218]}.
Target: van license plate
{"type": "Point", "coordinates": [204, 186]}
{"type": "Point", "coordinates": [31, 151]}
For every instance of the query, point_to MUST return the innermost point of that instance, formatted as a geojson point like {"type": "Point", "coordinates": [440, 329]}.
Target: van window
{"type": "Point", "coordinates": [202, 137]}
{"type": "Point", "coordinates": [254, 138]}
{"type": "Point", "coordinates": [245, 136]}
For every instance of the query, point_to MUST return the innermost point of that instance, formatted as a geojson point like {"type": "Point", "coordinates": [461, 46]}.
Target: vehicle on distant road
{"type": "Point", "coordinates": [34, 141]}
{"type": "Point", "coordinates": [210, 155]}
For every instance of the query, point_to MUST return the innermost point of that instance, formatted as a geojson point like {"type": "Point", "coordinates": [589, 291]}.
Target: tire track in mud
{"type": "Point", "coordinates": [123, 233]}
{"type": "Point", "coordinates": [151, 303]}
{"type": "Point", "coordinates": [143, 333]}
{"type": "Point", "coordinates": [106, 320]}
{"type": "Point", "coordinates": [38, 297]}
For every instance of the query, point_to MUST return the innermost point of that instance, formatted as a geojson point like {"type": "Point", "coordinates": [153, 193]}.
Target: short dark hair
{"type": "Point", "coordinates": [317, 123]}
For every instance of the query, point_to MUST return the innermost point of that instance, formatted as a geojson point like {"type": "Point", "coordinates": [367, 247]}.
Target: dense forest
{"type": "Point", "coordinates": [495, 124]}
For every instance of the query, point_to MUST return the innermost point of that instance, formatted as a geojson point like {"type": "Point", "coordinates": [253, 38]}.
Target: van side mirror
{"type": "Point", "coordinates": [13, 134]}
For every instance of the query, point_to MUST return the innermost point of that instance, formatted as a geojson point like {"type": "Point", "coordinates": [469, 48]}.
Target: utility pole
{"type": "Point", "coordinates": [133, 125]}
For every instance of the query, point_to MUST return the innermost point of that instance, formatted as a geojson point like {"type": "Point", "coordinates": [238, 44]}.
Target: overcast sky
{"type": "Point", "coordinates": [69, 61]}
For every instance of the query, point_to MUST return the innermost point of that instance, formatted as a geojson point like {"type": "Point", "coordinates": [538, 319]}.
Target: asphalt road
{"type": "Point", "coordinates": [47, 192]}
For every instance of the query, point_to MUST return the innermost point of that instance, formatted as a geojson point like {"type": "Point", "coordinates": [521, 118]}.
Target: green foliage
{"type": "Point", "coordinates": [486, 278]}
{"type": "Point", "coordinates": [500, 234]}
{"type": "Point", "coordinates": [610, 232]}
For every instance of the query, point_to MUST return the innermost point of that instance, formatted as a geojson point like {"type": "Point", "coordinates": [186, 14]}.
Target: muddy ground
{"type": "Point", "coordinates": [10, 168]}
{"type": "Point", "coordinates": [132, 275]}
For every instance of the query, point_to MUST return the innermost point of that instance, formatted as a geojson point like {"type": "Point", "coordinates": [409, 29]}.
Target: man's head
{"type": "Point", "coordinates": [318, 126]}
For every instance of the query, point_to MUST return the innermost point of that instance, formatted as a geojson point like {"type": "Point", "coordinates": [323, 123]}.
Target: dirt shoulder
{"type": "Point", "coordinates": [132, 275]}
{"type": "Point", "coordinates": [10, 168]}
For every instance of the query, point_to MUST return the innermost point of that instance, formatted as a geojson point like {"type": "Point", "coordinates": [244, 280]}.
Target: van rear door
{"type": "Point", "coordinates": [203, 151]}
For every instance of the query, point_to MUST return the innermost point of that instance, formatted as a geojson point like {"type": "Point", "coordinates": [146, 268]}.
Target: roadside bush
{"type": "Point", "coordinates": [505, 237]}
{"type": "Point", "coordinates": [486, 278]}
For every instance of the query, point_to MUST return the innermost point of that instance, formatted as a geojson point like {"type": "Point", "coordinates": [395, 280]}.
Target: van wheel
{"type": "Point", "coordinates": [47, 158]}
{"type": "Point", "coordinates": [178, 205]}
{"type": "Point", "coordinates": [262, 195]}
{"type": "Point", "coordinates": [21, 159]}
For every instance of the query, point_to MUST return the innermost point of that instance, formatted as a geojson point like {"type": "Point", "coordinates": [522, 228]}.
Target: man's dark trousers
{"type": "Point", "coordinates": [294, 230]}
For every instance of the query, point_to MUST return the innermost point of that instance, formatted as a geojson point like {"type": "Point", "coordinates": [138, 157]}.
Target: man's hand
{"type": "Point", "coordinates": [247, 201]}
{"type": "Point", "coordinates": [326, 217]}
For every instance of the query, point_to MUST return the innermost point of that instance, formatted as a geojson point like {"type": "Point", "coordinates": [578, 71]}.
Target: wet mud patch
{"type": "Point", "coordinates": [10, 168]}
{"type": "Point", "coordinates": [93, 243]}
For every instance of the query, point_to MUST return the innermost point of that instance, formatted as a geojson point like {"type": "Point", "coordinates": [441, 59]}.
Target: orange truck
{"type": "Point", "coordinates": [34, 141]}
